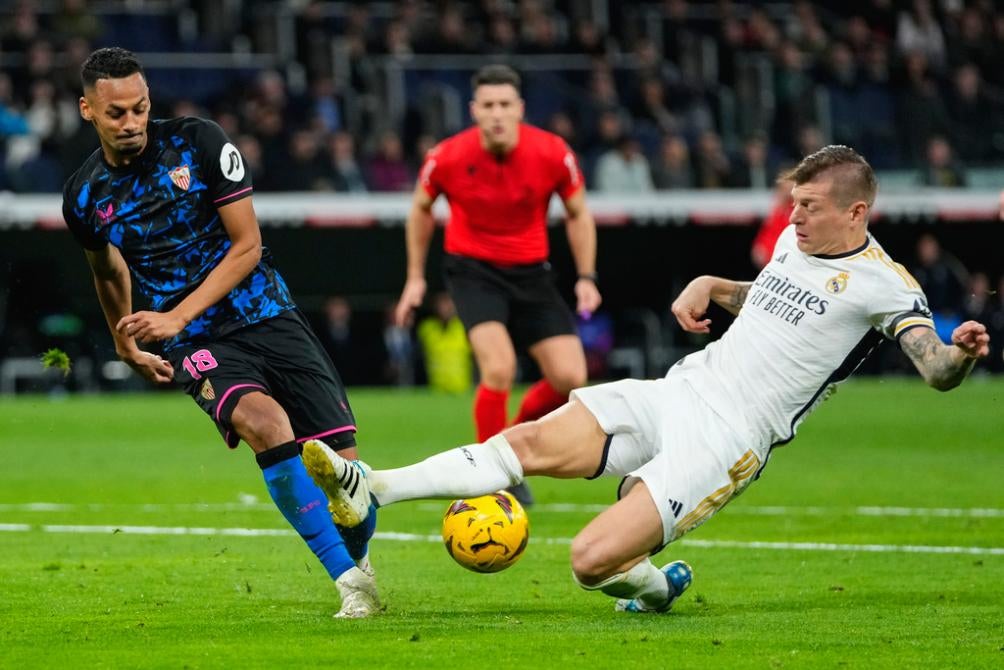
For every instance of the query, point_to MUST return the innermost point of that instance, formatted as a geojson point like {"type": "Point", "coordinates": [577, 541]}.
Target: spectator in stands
{"type": "Point", "coordinates": [73, 19]}
{"type": "Point", "coordinates": [809, 141]}
{"type": "Point", "coordinates": [624, 169]}
{"type": "Point", "coordinates": [445, 350]}
{"type": "Point", "coordinates": [944, 280]}
{"type": "Point", "coordinates": [712, 166]}
{"type": "Point", "coordinates": [942, 169]}
{"type": "Point", "coordinates": [806, 30]}
{"type": "Point", "coordinates": [397, 40]}
{"type": "Point", "coordinates": [971, 42]}
{"type": "Point", "coordinates": [672, 169]}
{"type": "Point", "coordinates": [540, 36]}
{"type": "Point", "coordinates": [306, 170]}
{"type": "Point", "coordinates": [843, 91]}
{"type": "Point", "coordinates": [325, 106]}
{"type": "Point", "coordinates": [651, 109]}
{"type": "Point", "coordinates": [752, 171]}
{"type": "Point", "coordinates": [602, 101]}
{"type": "Point", "coordinates": [450, 36]}
{"type": "Point", "coordinates": [250, 149]}
{"type": "Point", "coordinates": [501, 35]}
{"type": "Point", "coordinates": [589, 39]}
{"type": "Point", "coordinates": [975, 115]}
{"type": "Point", "coordinates": [561, 125]}
{"type": "Point", "coordinates": [917, 30]}
{"type": "Point", "coordinates": [313, 40]}
{"type": "Point", "coordinates": [344, 341]}
{"type": "Point", "coordinates": [921, 111]}
{"type": "Point", "coordinates": [387, 170]}
{"type": "Point", "coordinates": [343, 168]}
{"type": "Point", "coordinates": [794, 97]}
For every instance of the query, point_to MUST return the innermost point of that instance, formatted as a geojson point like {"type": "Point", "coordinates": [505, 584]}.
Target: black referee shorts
{"type": "Point", "coordinates": [280, 357]}
{"type": "Point", "coordinates": [523, 297]}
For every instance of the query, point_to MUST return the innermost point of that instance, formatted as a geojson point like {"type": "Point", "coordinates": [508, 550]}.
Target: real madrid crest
{"type": "Point", "coordinates": [207, 391]}
{"type": "Point", "coordinates": [837, 284]}
{"type": "Point", "coordinates": [181, 176]}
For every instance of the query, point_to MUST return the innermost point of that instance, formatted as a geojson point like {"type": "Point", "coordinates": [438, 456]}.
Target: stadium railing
{"type": "Point", "coordinates": [906, 203]}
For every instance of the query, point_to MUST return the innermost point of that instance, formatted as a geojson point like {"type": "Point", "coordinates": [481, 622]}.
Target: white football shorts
{"type": "Point", "coordinates": [664, 434]}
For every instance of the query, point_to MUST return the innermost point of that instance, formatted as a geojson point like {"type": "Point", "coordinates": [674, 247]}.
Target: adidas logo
{"type": "Point", "coordinates": [782, 258]}
{"type": "Point", "coordinates": [350, 478]}
{"type": "Point", "coordinates": [676, 506]}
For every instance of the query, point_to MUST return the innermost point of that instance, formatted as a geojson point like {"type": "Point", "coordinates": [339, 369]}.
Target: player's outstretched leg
{"type": "Point", "coordinates": [678, 577]}
{"type": "Point", "coordinates": [342, 480]}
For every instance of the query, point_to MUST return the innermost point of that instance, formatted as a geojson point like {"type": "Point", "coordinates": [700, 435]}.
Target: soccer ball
{"type": "Point", "coordinates": [486, 534]}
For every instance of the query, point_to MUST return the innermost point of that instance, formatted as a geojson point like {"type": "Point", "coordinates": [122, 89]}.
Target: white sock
{"type": "Point", "coordinates": [472, 470]}
{"type": "Point", "coordinates": [644, 581]}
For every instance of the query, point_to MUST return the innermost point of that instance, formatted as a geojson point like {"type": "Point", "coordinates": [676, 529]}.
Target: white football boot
{"type": "Point", "coordinates": [359, 595]}
{"type": "Point", "coordinates": [343, 482]}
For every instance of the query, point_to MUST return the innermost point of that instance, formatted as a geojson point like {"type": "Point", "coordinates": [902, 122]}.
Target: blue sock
{"type": "Point", "coordinates": [304, 505]}
{"type": "Point", "coordinates": [357, 539]}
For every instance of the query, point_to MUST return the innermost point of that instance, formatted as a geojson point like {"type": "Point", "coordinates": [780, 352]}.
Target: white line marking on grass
{"type": "Point", "coordinates": [415, 537]}
{"type": "Point", "coordinates": [747, 510]}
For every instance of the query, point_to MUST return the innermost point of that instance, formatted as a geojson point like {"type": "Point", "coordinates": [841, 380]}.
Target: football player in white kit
{"type": "Point", "coordinates": [688, 443]}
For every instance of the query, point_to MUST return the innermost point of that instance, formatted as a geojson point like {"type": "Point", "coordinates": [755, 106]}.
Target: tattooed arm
{"type": "Point", "coordinates": [945, 366]}
{"type": "Point", "coordinates": [693, 301]}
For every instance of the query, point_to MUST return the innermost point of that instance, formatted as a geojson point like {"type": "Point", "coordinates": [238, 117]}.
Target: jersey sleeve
{"type": "Point", "coordinates": [73, 202]}
{"type": "Point", "coordinates": [430, 177]}
{"type": "Point", "coordinates": [899, 304]}
{"type": "Point", "coordinates": [225, 172]}
{"type": "Point", "coordinates": [570, 177]}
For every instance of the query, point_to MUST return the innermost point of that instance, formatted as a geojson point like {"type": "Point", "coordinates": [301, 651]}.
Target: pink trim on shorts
{"type": "Point", "coordinates": [219, 405]}
{"type": "Point", "coordinates": [232, 195]}
{"type": "Point", "coordinates": [326, 433]}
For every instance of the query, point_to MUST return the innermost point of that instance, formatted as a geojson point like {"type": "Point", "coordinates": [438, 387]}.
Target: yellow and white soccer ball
{"type": "Point", "coordinates": [486, 534]}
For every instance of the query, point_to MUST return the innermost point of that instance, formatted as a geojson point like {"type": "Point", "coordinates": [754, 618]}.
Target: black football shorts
{"type": "Point", "coordinates": [522, 297]}
{"type": "Point", "coordinates": [280, 357]}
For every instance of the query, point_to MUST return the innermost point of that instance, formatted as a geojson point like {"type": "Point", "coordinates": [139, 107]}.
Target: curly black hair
{"type": "Point", "coordinates": [109, 63]}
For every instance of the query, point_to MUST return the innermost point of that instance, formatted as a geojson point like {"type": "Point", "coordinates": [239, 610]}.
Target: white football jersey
{"type": "Point", "coordinates": [807, 323]}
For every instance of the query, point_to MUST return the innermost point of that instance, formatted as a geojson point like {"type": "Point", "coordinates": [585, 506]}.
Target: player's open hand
{"type": "Point", "coordinates": [691, 305]}
{"type": "Point", "coordinates": [150, 326]}
{"type": "Point", "coordinates": [972, 338]}
{"type": "Point", "coordinates": [587, 297]}
{"type": "Point", "coordinates": [411, 299]}
{"type": "Point", "coordinates": [150, 366]}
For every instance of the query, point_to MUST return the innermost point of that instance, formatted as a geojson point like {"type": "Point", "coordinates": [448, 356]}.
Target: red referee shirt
{"type": "Point", "coordinates": [498, 206]}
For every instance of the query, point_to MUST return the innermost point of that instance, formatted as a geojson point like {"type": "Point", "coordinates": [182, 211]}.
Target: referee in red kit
{"type": "Point", "coordinates": [498, 177]}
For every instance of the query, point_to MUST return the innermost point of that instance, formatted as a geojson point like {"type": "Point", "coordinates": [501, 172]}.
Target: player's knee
{"type": "Point", "coordinates": [498, 373]}
{"type": "Point", "coordinates": [523, 440]}
{"type": "Point", "coordinates": [565, 380]}
{"type": "Point", "coordinates": [261, 424]}
{"type": "Point", "coordinates": [588, 565]}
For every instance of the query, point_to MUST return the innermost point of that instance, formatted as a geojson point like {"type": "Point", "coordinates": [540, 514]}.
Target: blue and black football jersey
{"type": "Point", "coordinates": [161, 213]}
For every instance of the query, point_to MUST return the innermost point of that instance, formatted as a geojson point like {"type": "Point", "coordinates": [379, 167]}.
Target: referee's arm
{"type": "Point", "coordinates": [581, 230]}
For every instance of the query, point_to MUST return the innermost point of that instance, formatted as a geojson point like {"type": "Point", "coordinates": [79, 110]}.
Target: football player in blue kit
{"type": "Point", "coordinates": [167, 204]}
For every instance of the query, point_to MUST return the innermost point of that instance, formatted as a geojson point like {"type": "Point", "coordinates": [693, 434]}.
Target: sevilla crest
{"type": "Point", "coordinates": [181, 177]}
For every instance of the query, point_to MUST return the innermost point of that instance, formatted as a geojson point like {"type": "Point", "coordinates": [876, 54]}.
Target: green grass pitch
{"type": "Point", "coordinates": [834, 558]}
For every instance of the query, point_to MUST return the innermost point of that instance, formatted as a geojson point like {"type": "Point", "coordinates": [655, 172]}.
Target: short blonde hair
{"type": "Point", "coordinates": [853, 178]}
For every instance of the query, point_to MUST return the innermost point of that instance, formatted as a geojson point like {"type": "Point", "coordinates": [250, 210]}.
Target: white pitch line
{"type": "Point", "coordinates": [415, 537]}
{"type": "Point", "coordinates": [746, 510]}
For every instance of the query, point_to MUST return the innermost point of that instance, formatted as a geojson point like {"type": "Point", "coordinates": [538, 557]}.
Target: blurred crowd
{"type": "Point", "coordinates": [656, 95]}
